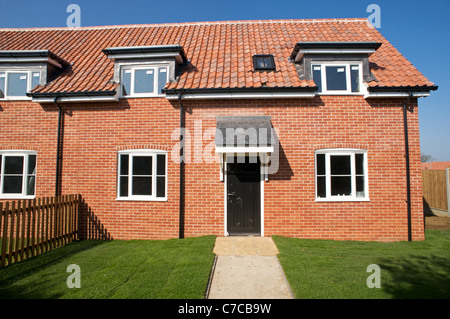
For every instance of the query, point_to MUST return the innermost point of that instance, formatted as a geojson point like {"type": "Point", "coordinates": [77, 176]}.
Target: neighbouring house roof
{"type": "Point", "coordinates": [219, 53]}
{"type": "Point", "coordinates": [436, 165]}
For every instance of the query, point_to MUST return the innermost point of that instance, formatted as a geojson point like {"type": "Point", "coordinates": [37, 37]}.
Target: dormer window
{"type": "Point", "coordinates": [335, 67]}
{"type": "Point", "coordinates": [144, 71]}
{"type": "Point", "coordinates": [22, 70]}
{"type": "Point", "coordinates": [337, 78]}
{"type": "Point", "coordinates": [263, 62]}
{"type": "Point", "coordinates": [137, 81]}
{"type": "Point", "coordinates": [16, 83]}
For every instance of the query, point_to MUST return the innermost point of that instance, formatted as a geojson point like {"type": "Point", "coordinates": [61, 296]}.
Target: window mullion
{"type": "Point", "coordinates": [353, 174]}
{"type": "Point", "coordinates": [132, 82]}
{"type": "Point", "coordinates": [25, 173]}
{"type": "Point", "coordinates": [348, 78]}
{"type": "Point", "coordinates": [1, 174]}
{"type": "Point", "coordinates": [327, 176]}
{"type": "Point", "coordinates": [153, 174]}
{"type": "Point", "coordinates": [130, 175]}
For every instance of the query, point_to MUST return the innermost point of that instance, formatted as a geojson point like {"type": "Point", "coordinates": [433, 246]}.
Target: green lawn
{"type": "Point", "coordinates": [338, 269]}
{"type": "Point", "coordinates": [175, 268]}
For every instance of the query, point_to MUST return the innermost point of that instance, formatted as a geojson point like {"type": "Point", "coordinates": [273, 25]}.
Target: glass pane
{"type": "Point", "coordinates": [126, 82]}
{"type": "Point", "coordinates": [124, 164]}
{"type": "Point", "coordinates": [321, 186]}
{"type": "Point", "coordinates": [340, 164]}
{"type": "Point", "coordinates": [144, 81]}
{"type": "Point", "coordinates": [142, 186]}
{"type": "Point", "coordinates": [17, 84]}
{"type": "Point", "coordinates": [142, 165]}
{"type": "Point", "coordinates": [30, 185]}
{"type": "Point", "coordinates": [359, 164]}
{"type": "Point", "coordinates": [336, 78]}
{"type": "Point", "coordinates": [2, 84]}
{"type": "Point", "coordinates": [31, 164]}
{"type": "Point", "coordinates": [354, 74]}
{"type": "Point", "coordinates": [317, 76]}
{"type": "Point", "coordinates": [161, 164]}
{"type": "Point", "coordinates": [260, 63]}
{"type": "Point", "coordinates": [320, 162]}
{"type": "Point", "coordinates": [123, 186]}
{"type": "Point", "coordinates": [12, 185]}
{"type": "Point", "coordinates": [341, 185]}
{"type": "Point", "coordinates": [268, 62]}
{"type": "Point", "coordinates": [160, 186]}
{"type": "Point", "coordinates": [162, 79]}
{"type": "Point", "coordinates": [35, 79]}
{"type": "Point", "coordinates": [359, 186]}
{"type": "Point", "coordinates": [13, 165]}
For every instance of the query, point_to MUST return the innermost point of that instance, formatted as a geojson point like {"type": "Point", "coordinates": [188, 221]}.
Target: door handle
{"type": "Point", "coordinates": [231, 194]}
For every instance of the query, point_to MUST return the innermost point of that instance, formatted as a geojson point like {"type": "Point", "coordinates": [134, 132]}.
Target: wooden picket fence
{"type": "Point", "coordinates": [31, 227]}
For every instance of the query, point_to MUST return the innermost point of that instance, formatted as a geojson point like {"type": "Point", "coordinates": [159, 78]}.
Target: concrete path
{"type": "Point", "coordinates": [247, 268]}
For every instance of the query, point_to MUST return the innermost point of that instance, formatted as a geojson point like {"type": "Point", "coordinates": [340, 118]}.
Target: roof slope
{"type": "Point", "coordinates": [220, 53]}
{"type": "Point", "coordinates": [436, 165]}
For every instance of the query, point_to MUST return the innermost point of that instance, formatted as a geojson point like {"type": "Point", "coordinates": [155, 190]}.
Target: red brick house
{"type": "Point", "coordinates": [288, 127]}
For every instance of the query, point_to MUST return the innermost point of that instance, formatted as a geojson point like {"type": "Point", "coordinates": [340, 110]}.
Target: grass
{"type": "Point", "coordinates": [135, 269]}
{"type": "Point", "coordinates": [338, 269]}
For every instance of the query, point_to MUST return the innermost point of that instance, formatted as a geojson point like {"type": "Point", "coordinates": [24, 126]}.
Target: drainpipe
{"type": "Point", "coordinates": [182, 142]}
{"type": "Point", "coordinates": [408, 181]}
{"type": "Point", "coordinates": [58, 147]}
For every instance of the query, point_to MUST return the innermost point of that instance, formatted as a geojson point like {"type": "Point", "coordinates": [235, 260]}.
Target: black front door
{"type": "Point", "coordinates": [243, 198]}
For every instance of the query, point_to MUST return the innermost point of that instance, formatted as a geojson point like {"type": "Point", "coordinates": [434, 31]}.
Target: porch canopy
{"type": "Point", "coordinates": [244, 134]}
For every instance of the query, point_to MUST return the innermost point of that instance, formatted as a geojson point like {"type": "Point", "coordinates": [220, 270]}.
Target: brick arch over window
{"type": "Point", "coordinates": [341, 145]}
{"type": "Point", "coordinates": [144, 147]}
{"type": "Point", "coordinates": [21, 147]}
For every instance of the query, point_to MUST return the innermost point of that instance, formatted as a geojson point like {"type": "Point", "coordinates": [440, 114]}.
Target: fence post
{"type": "Point", "coordinates": [447, 180]}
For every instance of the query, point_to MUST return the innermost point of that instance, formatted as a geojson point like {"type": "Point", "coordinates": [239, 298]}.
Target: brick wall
{"type": "Point", "coordinates": [94, 132]}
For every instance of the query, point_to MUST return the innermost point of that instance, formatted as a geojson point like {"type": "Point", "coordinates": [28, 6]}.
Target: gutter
{"type": "Point", "coordinates": [82, 96]}
{"type": "Point", "coordinates": [242, 93]}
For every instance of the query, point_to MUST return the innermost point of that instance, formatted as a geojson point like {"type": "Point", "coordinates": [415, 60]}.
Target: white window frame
{"type": "Point", "coordinates": [25, 155]}
{"type": "Point", "coordinates": [147, 153]}
{"type": "Point", "coordinates": [347, 65]}
{"type": "Point", "coordinates": [29, 82]}
{"type": "Point", "coordinates": [344, 198]}
{"type": "Point", "coordinates": [133, 68]}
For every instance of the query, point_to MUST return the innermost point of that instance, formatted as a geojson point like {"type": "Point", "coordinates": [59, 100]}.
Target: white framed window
{"type": "Point", "coordinates": [17, 174]}
{"type": "Point", "coordinates": [338, 77]}
{"type": "Point", "coordinates": [143, 81]}
{"type": "Point", "coordinates": [14, 84]}
{"type": "Point", "coordinates": [142, 175]}
{"type": "Point", "coordinates": [341, 175]}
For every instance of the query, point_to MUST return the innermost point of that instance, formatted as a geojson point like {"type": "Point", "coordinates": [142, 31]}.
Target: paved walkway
{"type": "Point", "coordinates": [247, 268]}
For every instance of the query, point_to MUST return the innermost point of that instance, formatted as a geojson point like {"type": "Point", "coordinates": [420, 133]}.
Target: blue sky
{"type": "Point", "coordinates": [418, 29]}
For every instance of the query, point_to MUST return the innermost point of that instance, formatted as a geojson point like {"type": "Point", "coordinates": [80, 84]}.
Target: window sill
{"type": "Point", "coordinates": [140, 199]}
{"type": "Point", "coordinates": [347, 199]}
{"type": "Point", "coordinates": [142, 96]}
{"type": "Point", "coordinates": [16, 99]}
{"type": "Point", "coordinates": [340, 93]}
{"type": "Point", "coordinates": [16, 197]}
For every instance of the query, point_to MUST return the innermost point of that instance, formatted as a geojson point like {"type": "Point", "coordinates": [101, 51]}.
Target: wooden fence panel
{"type": "Point", "coordinates": [434, 188]}
{"type": "Point", "coordinates": [32, 227]}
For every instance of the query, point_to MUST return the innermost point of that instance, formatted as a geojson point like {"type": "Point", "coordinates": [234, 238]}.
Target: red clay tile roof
{"type": "Point", "coordinates": [436, 165]}
{"type": "Point", "coordinates": [220, 53]}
